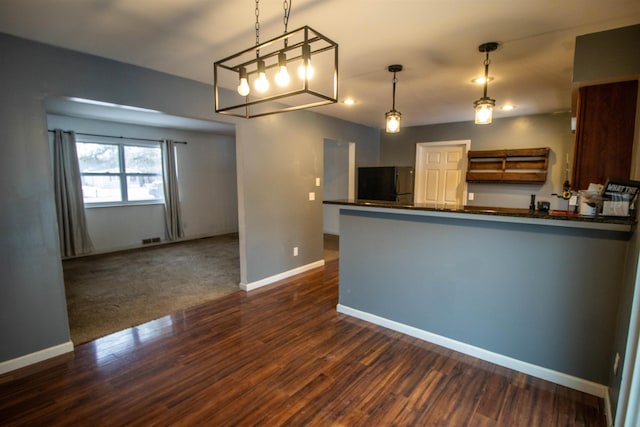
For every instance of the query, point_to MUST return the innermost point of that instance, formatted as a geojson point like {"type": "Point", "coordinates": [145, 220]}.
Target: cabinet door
{"type": "Point", "coordinates": [604, 132]}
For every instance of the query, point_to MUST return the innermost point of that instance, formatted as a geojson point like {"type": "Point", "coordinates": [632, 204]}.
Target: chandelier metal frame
{"type": "Point", "coordinates": [303, 45]}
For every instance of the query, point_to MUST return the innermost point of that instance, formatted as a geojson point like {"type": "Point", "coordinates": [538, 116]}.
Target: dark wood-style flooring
{"type": "Point", "coordinates": [280, 355]}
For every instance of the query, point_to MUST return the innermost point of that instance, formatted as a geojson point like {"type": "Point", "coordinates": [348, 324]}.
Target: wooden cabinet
{"type": "Point", "coordinates": [604, 132]}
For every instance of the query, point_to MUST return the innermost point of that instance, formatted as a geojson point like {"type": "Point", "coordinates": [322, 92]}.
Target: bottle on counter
{"type": "Point", "coordinates": [532, 204]}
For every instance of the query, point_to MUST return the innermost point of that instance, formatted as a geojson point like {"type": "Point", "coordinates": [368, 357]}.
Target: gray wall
{"type": "Point", "coordinates": [284, 150]}
{"type": "Point", "coordinates": [544, 130]}
{"type": "Point", "coordinates": [630, 279]}
{"type": "Point", "coordinates": [279, 159]}
{"type": "Point", "coordinates": [208, 190]}
{"type": "Point", "coordinates": [544, 295]}
{"type": "Point", "coordinates": [336, 170]}
{"type": "Point", "coordinates": [606, 55]}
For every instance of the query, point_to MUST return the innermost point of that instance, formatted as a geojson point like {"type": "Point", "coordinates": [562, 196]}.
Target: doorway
{"type": "Point", "coordinates": [339, 180]}
{"type": "Point", "coordinates": [128, 279]}
{"type": "Point", "coordinates": [440, 170]}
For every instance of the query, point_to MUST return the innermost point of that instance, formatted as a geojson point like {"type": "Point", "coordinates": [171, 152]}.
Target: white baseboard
{"type": "Point", "coordinates": [269, 280]}
{"type": "Point", "coordinates": [607, 410]}
{"type": "Point", "coordinates": [560, 378]}
{"type": "Point", "coordinates": [149, 245]}
{"type": "Point", "coordinates": [38, 356]}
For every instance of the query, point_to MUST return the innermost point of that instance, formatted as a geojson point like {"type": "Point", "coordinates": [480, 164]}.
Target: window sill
{"type": "Point", "coordinates": [122, 205]}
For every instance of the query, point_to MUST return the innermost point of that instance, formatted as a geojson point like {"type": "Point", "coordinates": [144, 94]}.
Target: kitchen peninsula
{"type": "Point", "coordinates": [534, 292]}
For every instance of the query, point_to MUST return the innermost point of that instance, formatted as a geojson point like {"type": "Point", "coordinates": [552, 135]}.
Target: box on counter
{"type": "Point", "coordinates": [619, 197]}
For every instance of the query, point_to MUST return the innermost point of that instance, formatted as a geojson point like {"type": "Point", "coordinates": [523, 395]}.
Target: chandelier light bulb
{"type": "Point", "coordinates": [306, 73]}
{"type": "Point", "coordinates": [243, 87]}
{"type": "Point", "coordinates": [261, 84]}
{"type": "Point", "coordinates": [282, 77]}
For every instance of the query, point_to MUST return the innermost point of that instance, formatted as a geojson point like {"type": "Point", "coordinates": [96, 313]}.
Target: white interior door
{"type": "Point", "coordinates": [440, 169]}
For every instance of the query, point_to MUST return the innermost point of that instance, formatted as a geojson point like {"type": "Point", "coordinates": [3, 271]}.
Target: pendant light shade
{"type": "Point", "coordinates": [484, 106]}
{"type": "Point", "coordinates": [393, 117]}
{"type": "Point", "coordinates": [484, 110]}
{"type": "Point", "coordinates": [393, 121]}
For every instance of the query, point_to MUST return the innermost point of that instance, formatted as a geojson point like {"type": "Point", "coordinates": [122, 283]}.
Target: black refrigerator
{"type": "Point", "coordinates": [389, 183]}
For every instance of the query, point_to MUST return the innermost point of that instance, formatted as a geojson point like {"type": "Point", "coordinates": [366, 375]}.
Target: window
{"type": "Point", "coordinates": [120, 173]}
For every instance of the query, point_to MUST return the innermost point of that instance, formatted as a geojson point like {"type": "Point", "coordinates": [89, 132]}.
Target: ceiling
{"type": "Point", "coordinates": [435, 40]}
{"type": "Point", "coordinates": [88, 109]}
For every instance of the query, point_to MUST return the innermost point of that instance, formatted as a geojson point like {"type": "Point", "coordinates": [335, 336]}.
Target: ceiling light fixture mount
{"type": "Point", "coordinates": [484, 106]}
{"type": "Point", "coordinates": [250, 71]}
{"type": "Point", "coordinates": [393, 117]}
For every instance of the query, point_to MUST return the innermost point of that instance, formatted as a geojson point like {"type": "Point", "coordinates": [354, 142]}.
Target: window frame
{"type": "Point", "coordinates": [122, 174]}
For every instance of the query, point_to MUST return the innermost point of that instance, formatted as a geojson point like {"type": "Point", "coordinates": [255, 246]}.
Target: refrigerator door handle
{"type": "Point", "coordinates": [396, 185]}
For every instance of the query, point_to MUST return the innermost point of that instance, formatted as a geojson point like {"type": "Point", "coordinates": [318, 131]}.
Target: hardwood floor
{"type": "Point", "coordinates": [281, 355]}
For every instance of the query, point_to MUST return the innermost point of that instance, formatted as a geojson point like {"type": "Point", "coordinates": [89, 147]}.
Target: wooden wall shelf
{"type": "Point", "coordinates": [515, 166]}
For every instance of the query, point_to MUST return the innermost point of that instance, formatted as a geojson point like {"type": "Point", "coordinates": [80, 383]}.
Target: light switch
{"type": "Point", "coordinates": [318, 182]}
{"type": "Point", "coordinates": [312, 196]}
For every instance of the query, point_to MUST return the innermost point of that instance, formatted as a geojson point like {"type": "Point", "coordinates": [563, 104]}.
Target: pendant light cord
{"type": "Point", "coordinates": [286, 5]}
{"type": "Point", "coordinates": [486, 74]}
{"type": "Point", "coordinates": [395, 80]}
{"type": "Point", "coordinates": [257, 27]}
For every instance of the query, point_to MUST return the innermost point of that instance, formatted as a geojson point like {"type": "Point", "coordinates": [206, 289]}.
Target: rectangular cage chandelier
{"type": "Point", "coordinates": [294, 71]}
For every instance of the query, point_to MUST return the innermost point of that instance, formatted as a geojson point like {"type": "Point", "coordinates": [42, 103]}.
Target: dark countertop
{"type": "Point", "coordinates": [490, 211]}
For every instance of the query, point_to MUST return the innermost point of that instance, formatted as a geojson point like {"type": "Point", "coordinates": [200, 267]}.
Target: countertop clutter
{"type": "Point", "coordinates": [621, 223]}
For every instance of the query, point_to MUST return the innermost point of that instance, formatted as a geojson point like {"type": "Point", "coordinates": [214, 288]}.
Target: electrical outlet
{"type": "Point", "coordinates": [295, 251]}
{"type": "Point", "coordinates": [312, 196]}
{"type": "Point", "coordinates": [471, 196]}
{"type": "Point", "coordinates": [616, 363]}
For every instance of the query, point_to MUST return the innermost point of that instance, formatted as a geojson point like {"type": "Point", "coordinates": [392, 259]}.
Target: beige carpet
{"type": "Point", "coordinates": [111, 292]}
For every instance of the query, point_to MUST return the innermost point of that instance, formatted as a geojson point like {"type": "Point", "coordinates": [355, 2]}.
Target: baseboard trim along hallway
{"type": "Point", "coordinates": [272, 279]}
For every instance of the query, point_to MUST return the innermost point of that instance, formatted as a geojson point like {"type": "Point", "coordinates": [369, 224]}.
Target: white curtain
{"type": "Point", "coordinates": [72, 225]}
{"type": "Point", "coordinates": [173, 217]}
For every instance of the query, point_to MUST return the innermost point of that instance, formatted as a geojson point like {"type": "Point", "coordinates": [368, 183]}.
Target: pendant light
{"type": "Point", "coordinates": [242, 82]}
{"type": "Point", "coordinates": [484, 106]}
{"type": "Point", "coordinates": [393, 117]}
